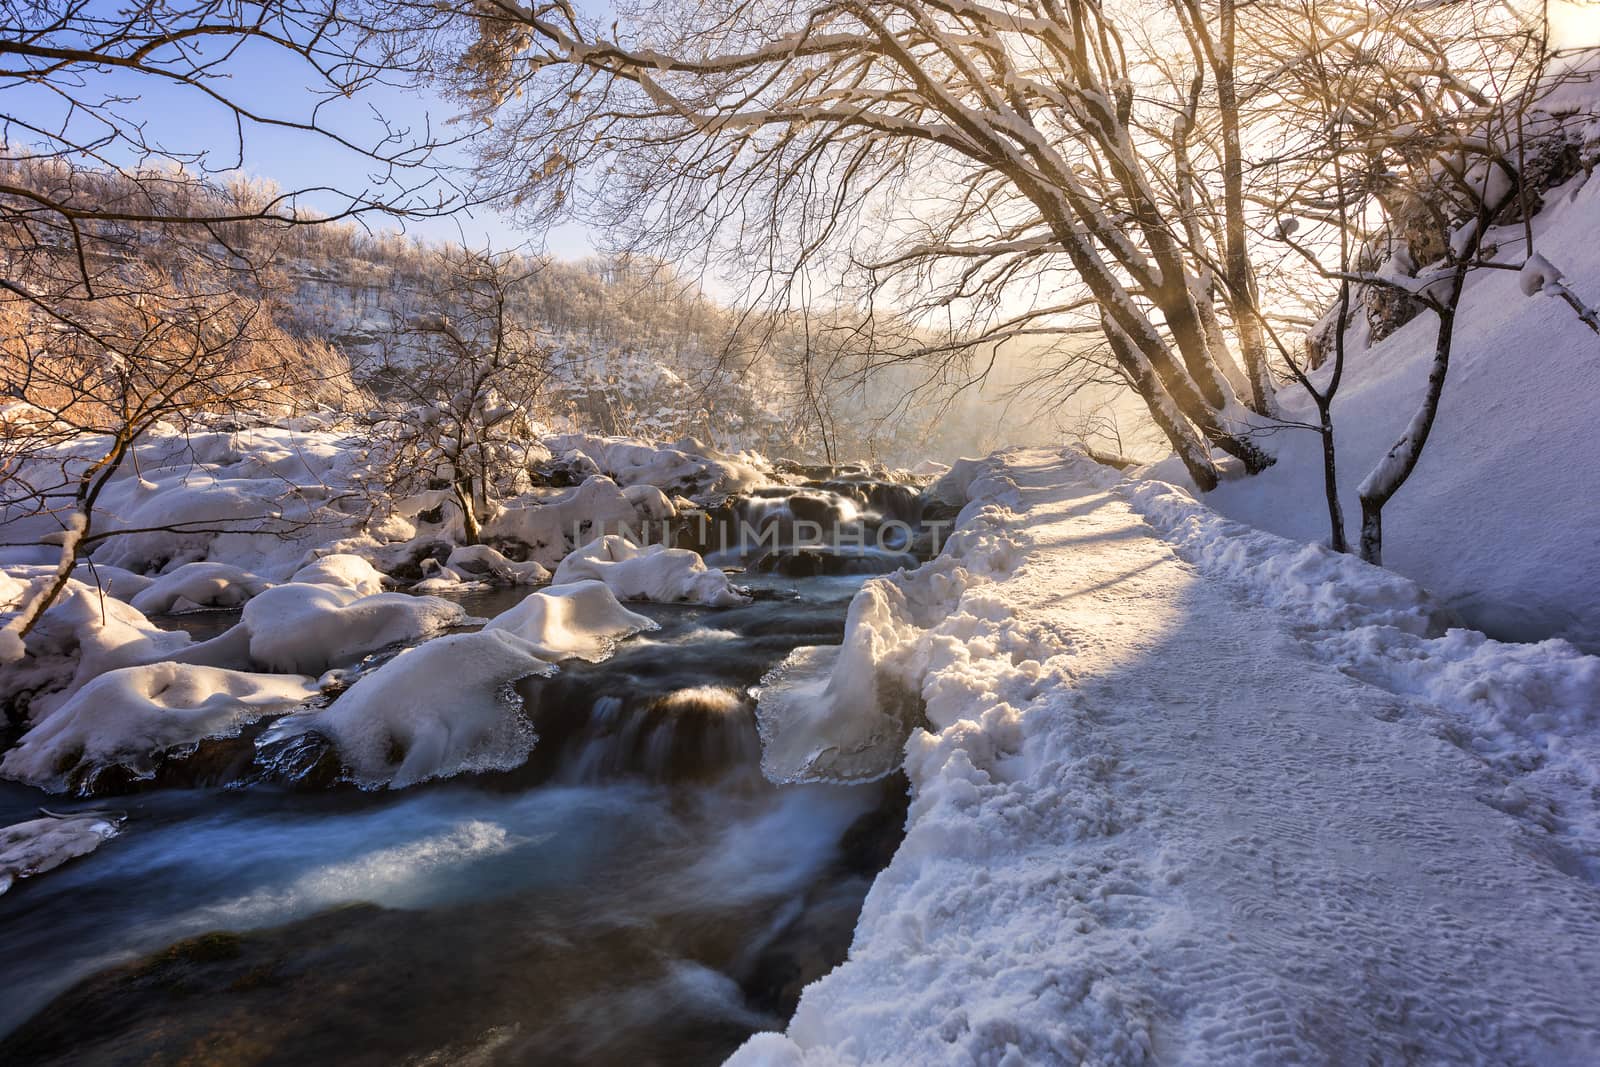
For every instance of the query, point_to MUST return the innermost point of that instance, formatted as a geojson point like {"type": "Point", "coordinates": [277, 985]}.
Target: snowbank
{"type": "Point", "coordinates": [40, 845]}
{"type": "Point", "coordinates": [578, 619]}
{"type": "Point", "coordinates": [654, 572]}
{"type": "Point", "coordinates": [841, 714]}
{"type": "Point", "coordinates": [130, 717]}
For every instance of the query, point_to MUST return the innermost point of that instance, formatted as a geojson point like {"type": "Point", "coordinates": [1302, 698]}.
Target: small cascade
{"type": "Point", "coordinates": [598, 726]}
{"type": "Point", "coordinates": [700, 734]}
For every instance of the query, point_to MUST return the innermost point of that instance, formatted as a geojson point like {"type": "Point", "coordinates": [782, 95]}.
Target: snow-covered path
{"type": "Point", "coordinates": [1169, 827]}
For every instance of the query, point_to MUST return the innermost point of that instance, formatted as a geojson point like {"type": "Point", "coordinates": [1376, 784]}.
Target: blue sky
{"type": "Point", "coordinates": [273, 83]}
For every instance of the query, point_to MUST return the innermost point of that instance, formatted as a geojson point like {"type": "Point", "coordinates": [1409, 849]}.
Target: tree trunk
{"type": "Point", "coordinates": [1185, 442]}
{"type": "Point", "coordinates": [1242, 298]}
{"type": "Point", "coordinates": [1330, 482]}
{"type": "Point", "coordinates": [1372, 532]}
{"type": "Point", "coordinates": [470, 531]}
{"type": "Point", "coordinates": [1401, 459]}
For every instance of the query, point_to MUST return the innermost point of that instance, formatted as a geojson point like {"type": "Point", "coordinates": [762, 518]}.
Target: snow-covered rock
{"type": "Point", "coordinates": [482, 563]}
{"type": "Point", "coordinates": [688, 467]}
{"type": "Point", "coordinates": [198, 586]}
{"type": "Point", "coordinates": [82, 635]}
{"type": "Point", "coordinates": [578, 619]}
{"type": "Point", "coordinates": [654, 572]}
{"type": "Point", "coordinates": [305, 629]}
{"type": "Point", "coordinates": [553, 526]}
{"type": "Point", "coordinates": [342, 569]}
{"type": "Point", "coordinates": [130, 717]}
{"type": "Point", "coordinates": [443, 708]}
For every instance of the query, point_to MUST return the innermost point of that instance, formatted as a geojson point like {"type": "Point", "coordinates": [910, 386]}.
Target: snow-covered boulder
{"type": "Point", "coordinates": [198, 586]}
{"type": "Point", "coordinates": [481, 563]}
{"type": "Point", "coordinates": [305, 629]}
{"type": "Point", "coordinates": [552, 526]}
{"type": "Point", "coordinates": [687, 467]}
{"type": "Point", "coordinates": [654, 572]}
{"type": "Point", "coordinates": [440, 709]}
{"type": "Point", "coordinates": [342, 569]}
{"type": "Point", "coordinates": [39, 845]}
{"type": "Point", "coordinates": [581, 620]}
{"type": "Point", "coordinates": [129, 717]}
{"type": "Point", "coordinates": [649, 502]}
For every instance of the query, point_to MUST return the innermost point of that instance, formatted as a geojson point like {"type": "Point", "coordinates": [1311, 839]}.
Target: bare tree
{"type": "Point", "coordinates": [1420, 156]}
{"type": "Point", "coordinates": [460, 381]}
{"type": "Point", "coordinates": [89, 386]}
{"type": "Point", "coordinates": [990, 166]}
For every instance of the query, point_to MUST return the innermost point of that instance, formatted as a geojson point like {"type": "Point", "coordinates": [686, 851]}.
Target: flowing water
{"type": "Point", "coordinates": [636, 894]}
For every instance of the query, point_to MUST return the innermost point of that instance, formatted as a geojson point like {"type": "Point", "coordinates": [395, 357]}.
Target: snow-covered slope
{"type": "Point", "coordinates": [1502, 516]}
{"type": "Point", "coordinates": [1191, 793]}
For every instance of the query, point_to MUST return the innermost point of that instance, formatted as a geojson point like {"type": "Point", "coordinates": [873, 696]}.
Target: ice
{"type": "Point", "coordinates": [39, 845]}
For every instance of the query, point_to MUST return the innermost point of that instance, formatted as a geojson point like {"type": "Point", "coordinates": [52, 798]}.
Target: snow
{"type": "Point", "coordinates": [1499, 518]}
{"type": "Point", "coordinates": [39, 845]}
{"type": "Point", "coordinates": [1194, 793]}
{"type": "Point", "coordinates": [579, 619]}
{"type": "Point", "coordinates": [439, 709]}
{"type": "Point", "coordinates": [654, 572]}
{"type": "Point", "coordinates": [127, 717]}
{"type": "Point", "coordinates": [447, 706]}
{"type": "Point", "coordinates": [196, 587]}
{"type": "Point", "coordinates": [306, 629]}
